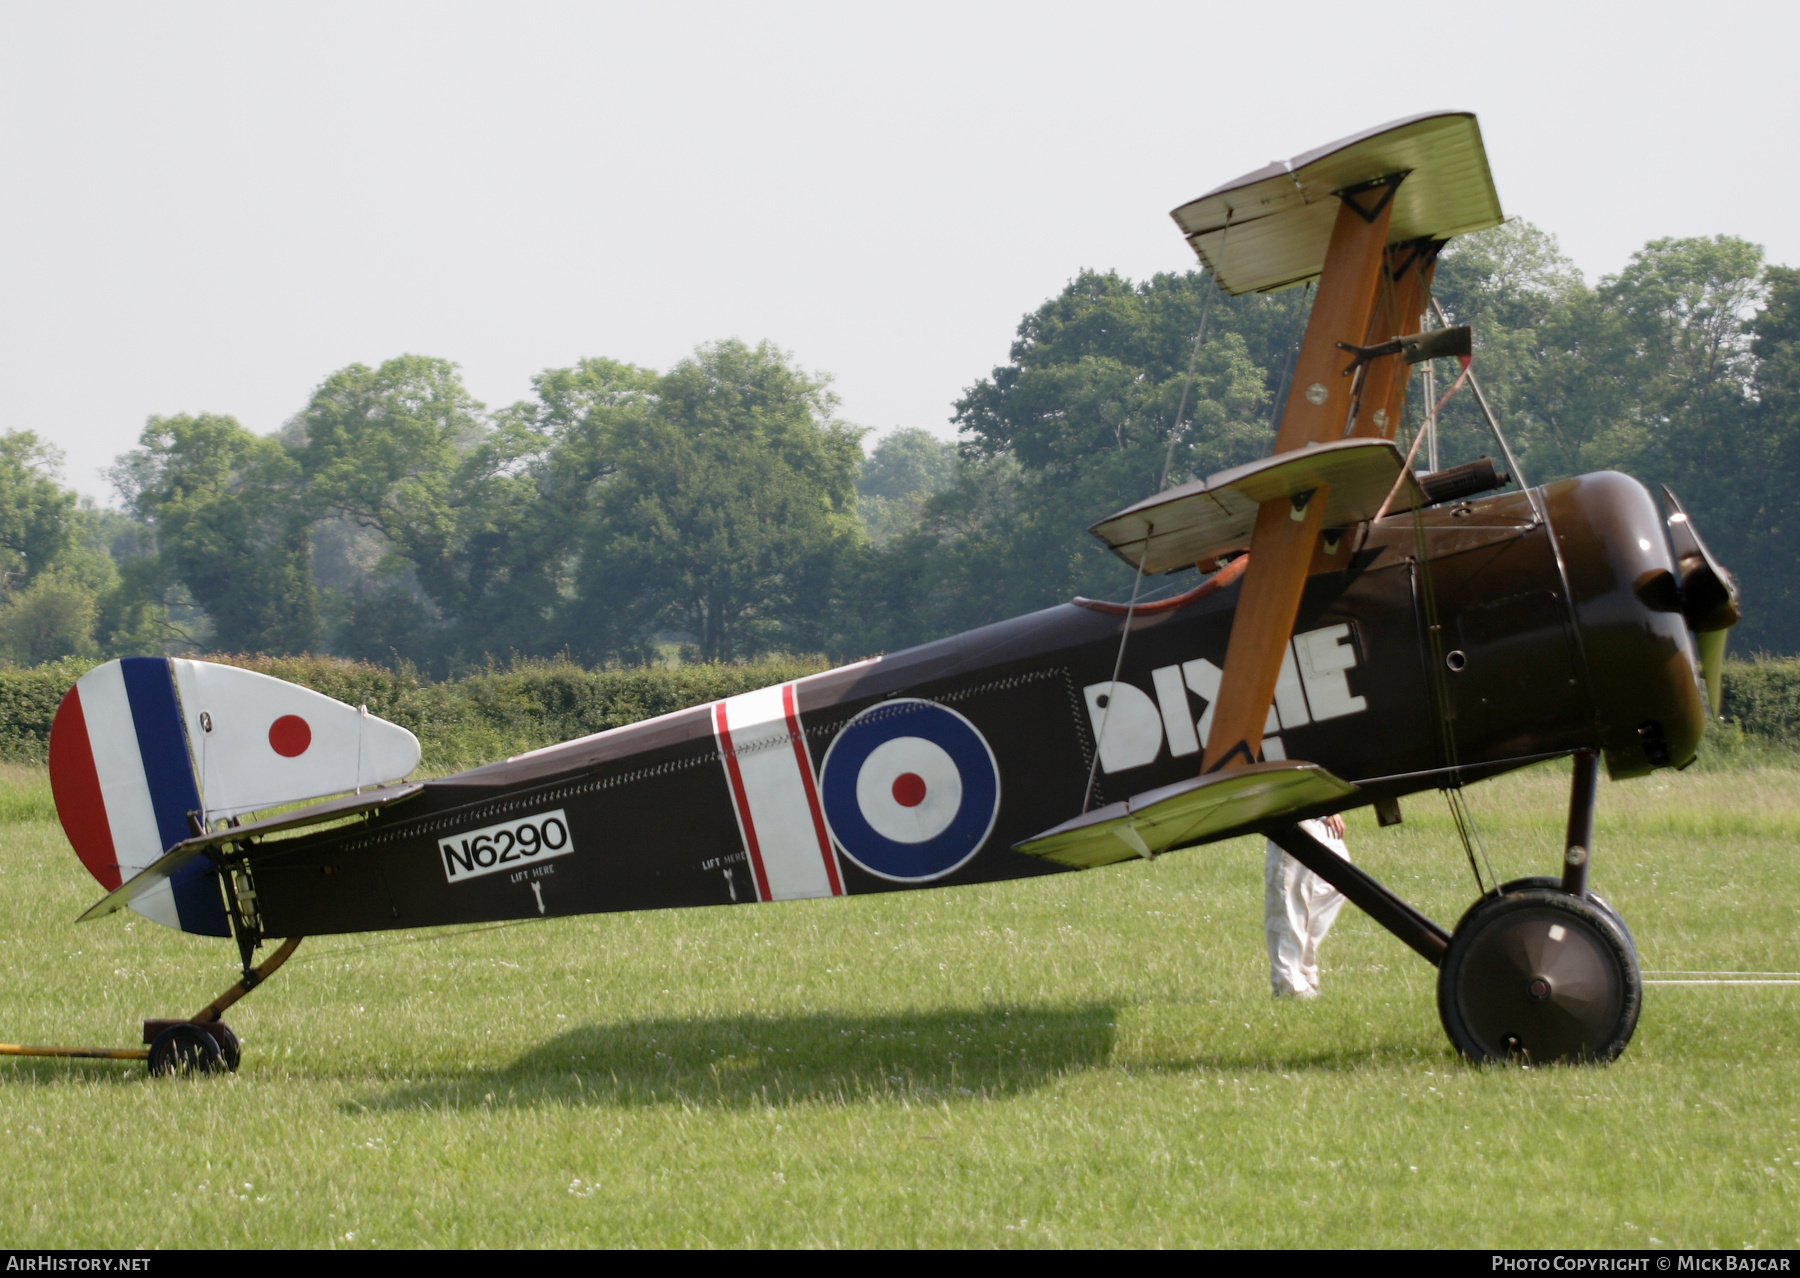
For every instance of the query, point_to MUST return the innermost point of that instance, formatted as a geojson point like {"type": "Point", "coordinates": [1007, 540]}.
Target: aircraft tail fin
{"type": "Point", "coordinates": [1220, 805]}
{"type": "Point", "coordinates": [148, 752]}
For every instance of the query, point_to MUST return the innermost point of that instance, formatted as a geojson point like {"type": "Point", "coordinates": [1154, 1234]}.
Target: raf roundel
{"type": "Point", "coordinates": [910, 790]}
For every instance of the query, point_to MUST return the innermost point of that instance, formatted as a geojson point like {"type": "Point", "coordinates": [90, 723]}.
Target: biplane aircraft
{"type": "Point", "coordinates": [1361, 632]}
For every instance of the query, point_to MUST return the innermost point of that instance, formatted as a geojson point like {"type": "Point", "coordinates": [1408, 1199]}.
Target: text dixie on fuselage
{"type": "Point", "coordinates": [1132, 726]}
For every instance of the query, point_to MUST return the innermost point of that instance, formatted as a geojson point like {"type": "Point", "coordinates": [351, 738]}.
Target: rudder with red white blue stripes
{"type": "Point", "coordinates": [124, 784]}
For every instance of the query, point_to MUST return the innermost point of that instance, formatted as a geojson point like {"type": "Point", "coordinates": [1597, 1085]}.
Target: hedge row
{"type": "Point", "coordinates": [460, 723]}
{"type": "Point", "coordinates": [1762, 697]}
{"type": "Point", "coordinates": [499, 712]}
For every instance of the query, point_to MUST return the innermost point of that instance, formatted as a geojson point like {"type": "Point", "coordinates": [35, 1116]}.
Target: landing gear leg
{"type": "Point", "coordinates": [177, 1046]}
{"type": "Point", "coordinates": [253, 976]}
{"type": "Point", "coordinates": [1578, 847]}
{"type": "Point", "coordinates": [1426, 938]}
{"type": "Point", "coordinates": [1532, 973]}
{"type": "Point", "coordinates": [1580, 841]}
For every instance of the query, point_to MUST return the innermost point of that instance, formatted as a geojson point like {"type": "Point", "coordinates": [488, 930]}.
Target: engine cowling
{"type": "Point", "coordinates": [1642, 666]}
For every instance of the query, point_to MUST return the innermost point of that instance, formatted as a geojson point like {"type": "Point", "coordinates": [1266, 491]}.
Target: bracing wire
{"type": "Point", "coordinates": [1493, 422]}
{"type": "Point", "coordinates": [1087, 796]}
{"type": "Point", "coordinates": [1470, 833]}
{"type": "Point", "coordinates": [1287, 369]}
{"type": "Point", "coordinates": [1406, 467]}
{"type": "Point", "coordinates": [1460, 814]}
{"type": "Point", "coordinates": [1194, 355]}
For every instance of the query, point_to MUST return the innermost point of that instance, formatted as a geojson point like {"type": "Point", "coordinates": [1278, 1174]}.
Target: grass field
{"type": "Point", "coordinates": [1087, 1061]}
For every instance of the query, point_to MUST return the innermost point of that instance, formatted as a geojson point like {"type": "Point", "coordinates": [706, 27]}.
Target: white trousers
{"type": "Point", "coordinates": [1298, 909]}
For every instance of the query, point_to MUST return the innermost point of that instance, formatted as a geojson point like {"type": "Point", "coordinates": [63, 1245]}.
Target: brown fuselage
{"type": "Point", "coordinates": [1449, 646]}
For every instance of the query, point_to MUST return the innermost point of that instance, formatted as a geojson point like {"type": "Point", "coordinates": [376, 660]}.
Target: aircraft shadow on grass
{"type": "Point", "coordinates": [743, 1061]}
{"type": "Point", "coordinates": [1250, 1059]}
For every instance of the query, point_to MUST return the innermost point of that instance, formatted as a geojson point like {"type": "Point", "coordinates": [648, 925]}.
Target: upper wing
{"type": "Point", "coordinates": [1273, 225]}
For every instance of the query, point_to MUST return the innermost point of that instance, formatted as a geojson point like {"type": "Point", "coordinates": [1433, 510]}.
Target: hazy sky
{"type": "Point", "coordinates": [212, 207]}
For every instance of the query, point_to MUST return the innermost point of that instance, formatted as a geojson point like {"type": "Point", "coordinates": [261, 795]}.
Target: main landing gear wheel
{"type": "Point", "coordinates": [184, 1049]}
{"type": "Point", "coordinates": [1539, 976]}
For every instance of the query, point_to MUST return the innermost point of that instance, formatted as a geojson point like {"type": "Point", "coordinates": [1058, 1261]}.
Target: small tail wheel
{"type": "Point", "coordinates": [1555, 884]}
{"type": "Point", "coordinates": [231, 1052]}
{"type": "Point", "coordinates": [1539, 976]}
{"type": "Point", "coordinates": [184, 1049]}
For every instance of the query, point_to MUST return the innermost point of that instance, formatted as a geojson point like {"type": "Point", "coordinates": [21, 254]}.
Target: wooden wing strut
{"type": "Point", "coordinates": [1287, 529]}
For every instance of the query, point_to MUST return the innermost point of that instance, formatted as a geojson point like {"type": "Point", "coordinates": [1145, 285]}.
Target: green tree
{"type": "Point", "coordinates": [52, 617]}
{"type": "Point", "coordinates": [147, 613]}
{"type": "Point", "coordinates": [1684, 308]}
{"type": "Point", "coordinates": [1650, 372]}
{"type": "Point", "coordinates": [1665, 371]}
{"type": "Point", "coordinates": [1538, 327]}
{"type": "Point", "coordinates": [383, 448]}
{"type": "Point", "coordinates": [907, 468]}
{"type": "Point", "coordinates": [1767, 499]}
{"type": "Point", "coordinates": [532, 488]}
{"type": "Point", "coordinates": [1075, 425]}
{"type": "Point", "coordinates": [1096, 376]}
{"type": "Point", "coordinates": [37, 514]}
{"type": "Point", "coordinates": [222, 506]}
{"type": "Point", "coordinates": [730, 512]}
{"type": "Point", "coordinates": [480, 518]}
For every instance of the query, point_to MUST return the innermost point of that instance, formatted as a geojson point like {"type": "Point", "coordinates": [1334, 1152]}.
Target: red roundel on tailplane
{"type": "Point", "coordinates": [289, 736]}
{"type": "Point", "coordinates": [909, 789]}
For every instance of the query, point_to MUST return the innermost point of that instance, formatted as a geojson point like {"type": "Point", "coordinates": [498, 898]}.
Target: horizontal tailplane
{"type": "Point", "coordinates": [190, 853]}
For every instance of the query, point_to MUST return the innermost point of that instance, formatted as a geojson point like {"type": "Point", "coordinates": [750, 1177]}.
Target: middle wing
{"type": "Point", "coordinates": [1212, 516]}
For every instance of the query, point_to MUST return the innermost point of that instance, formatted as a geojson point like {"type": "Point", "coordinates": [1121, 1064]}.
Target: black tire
{"type": "Point", "coordinates": [184, 1049]}
{"type": "Point", "coordinates": [231, 1052]}
{"type": "Point", "coordinates": [1539, 976]}
{"type": "Point", "coordinates": [1555, 885]}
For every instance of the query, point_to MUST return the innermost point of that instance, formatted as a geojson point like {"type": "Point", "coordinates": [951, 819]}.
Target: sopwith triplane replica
{"type": "Point", "coordinates": [1362, 632]}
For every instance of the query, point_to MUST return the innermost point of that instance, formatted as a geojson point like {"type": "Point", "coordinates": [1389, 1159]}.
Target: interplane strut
{"type": "Point", "coordinates": [1287, 530]}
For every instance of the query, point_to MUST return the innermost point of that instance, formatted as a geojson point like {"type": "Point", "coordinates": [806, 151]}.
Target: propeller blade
{"type": "Point", "coordinates": [1709, 597]}
{"type": "Point", "coordinates": [1712, 667]}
